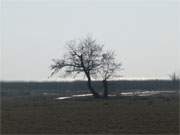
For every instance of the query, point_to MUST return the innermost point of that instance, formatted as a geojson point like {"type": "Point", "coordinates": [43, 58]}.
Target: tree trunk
{"type": "Point", "coordinates": [95, 94]}
{"type": "Point", "coordinates": [87, 73]}
{"type": "Point", "coordinates": [105, 85]}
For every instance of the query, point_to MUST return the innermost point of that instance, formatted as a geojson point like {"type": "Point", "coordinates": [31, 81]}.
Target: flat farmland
{"type": "Point", "coordinates": [117, 115]}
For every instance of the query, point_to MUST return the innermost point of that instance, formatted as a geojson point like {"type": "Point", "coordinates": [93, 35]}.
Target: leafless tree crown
{"type": "Point", "coordinates": [109, 67]}
{"type": "Point", "coordinates": [82, 57]}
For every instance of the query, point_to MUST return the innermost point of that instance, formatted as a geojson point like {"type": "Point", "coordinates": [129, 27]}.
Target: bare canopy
{"type": "Point", "coordinates": [82, 57]}
{"type": "Point", "coordinates": [87, 57]}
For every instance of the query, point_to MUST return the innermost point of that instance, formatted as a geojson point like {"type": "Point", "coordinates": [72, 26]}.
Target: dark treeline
{"type": "Point", "coordinates": [27, 88]}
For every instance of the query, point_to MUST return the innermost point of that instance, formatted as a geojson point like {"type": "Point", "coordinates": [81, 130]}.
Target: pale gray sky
{"type": "Point", "coordinates": [144, 34]}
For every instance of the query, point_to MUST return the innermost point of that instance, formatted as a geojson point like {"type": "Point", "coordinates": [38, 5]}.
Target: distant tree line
{"type": "Point", "coordinates": [35, 88]}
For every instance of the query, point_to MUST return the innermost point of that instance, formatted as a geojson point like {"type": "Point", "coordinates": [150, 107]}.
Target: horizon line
{"type": "Point", "coordinates": [76, 80]}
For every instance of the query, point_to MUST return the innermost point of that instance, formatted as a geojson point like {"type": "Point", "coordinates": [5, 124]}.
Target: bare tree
{"type": "Point", "coordinates": [175, 80]}
{"type": "Point", "coordinates": [174, 77]}
{"type": "Point", "coordinates": [108, 68]}
{"type": "Point", "coordinates": [82, 57]}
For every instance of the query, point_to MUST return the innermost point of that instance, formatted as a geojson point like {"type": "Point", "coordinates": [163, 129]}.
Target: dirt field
{"type": "Point", "coordinates": [117, 115]}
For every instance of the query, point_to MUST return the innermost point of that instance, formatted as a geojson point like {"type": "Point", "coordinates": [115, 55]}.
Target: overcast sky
{"type": "Point", "coordinates": [144, 33]}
